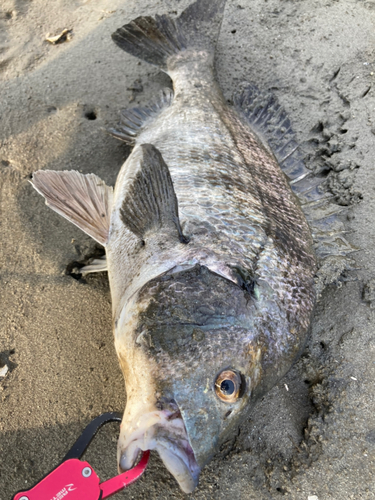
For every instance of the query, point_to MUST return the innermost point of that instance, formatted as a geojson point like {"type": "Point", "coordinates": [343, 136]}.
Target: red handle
{"type": "Point", "coordinates": [78, 481]}
{"type": "Point", "coordinates": [123, 480]}
{"type": "Point", "coordinates": [73, 479]}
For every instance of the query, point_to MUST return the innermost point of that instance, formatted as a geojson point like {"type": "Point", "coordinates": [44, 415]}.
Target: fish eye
{"type": "Point", "coordinates": [228, 386]}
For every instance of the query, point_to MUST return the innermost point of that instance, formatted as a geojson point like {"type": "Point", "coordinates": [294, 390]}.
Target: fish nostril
{"type": "Point", "coordinates": [170, 406]}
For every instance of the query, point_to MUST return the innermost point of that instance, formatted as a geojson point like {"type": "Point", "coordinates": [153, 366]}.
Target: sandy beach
{"type": "Point", "coordinates": [313, 436]}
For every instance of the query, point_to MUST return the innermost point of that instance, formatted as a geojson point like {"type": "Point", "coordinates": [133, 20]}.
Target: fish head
{"type": "Point", "coordinates": [192, 362]}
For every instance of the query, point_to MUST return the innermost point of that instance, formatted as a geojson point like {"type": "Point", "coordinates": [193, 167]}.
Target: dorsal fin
{"type": "Point", "coordinates": [267, 117]}
{"type": "Point", "coordinates": [85, 200]}
{"type": "Point", "coordinates": [150, 201]}
{"type": "Point", "coordinates": [133, 120]}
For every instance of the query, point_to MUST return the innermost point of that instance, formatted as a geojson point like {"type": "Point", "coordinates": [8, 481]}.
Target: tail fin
{"type": "Point", "coordinates": [156, 39]}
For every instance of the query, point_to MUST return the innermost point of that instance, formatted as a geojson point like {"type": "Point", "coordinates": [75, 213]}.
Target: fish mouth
{"type": "Point", "coordinates": [163, 431]}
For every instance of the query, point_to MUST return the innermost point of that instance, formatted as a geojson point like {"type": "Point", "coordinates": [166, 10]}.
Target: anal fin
{"type": "Point", "coordinates": [85, 200]}
{"type": "Point", "coordinates": [133, 120]}
{"type": "Point", "coordinates": [150, 202]}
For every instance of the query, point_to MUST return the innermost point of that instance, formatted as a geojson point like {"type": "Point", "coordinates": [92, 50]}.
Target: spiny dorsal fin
{"type": "Point", "coordinates": [84, 200]}
{"type": "Point", "coordinates": [269, 119]}
{"type": "Point", "coordinates": [150, 202]}
{"type": "Point", "coordinates": [133, 120]}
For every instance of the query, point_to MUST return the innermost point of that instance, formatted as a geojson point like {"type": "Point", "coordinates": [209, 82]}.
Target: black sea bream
{"type": "Point", "coordinates": [210, 257]}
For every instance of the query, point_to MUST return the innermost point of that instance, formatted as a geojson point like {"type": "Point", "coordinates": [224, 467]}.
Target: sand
{"type": "Point", "coordinates": [313, 435]}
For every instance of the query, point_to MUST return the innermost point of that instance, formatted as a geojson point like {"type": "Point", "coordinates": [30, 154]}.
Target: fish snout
{"type": "Point", "coordinates": [162, 430]}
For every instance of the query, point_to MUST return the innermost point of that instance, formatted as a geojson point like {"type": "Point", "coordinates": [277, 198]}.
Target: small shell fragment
{"type": "Point", "coordinates": [4, 370]}
{"type": "Point", "coordinates": [64, 36]}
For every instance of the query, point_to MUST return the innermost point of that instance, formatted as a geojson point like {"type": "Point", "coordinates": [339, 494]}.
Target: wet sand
{"type": "Point", "coordinates": [314, 433]}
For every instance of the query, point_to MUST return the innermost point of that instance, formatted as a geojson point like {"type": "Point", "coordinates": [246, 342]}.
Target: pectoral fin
{"type": "Point", "coordinates": [84, 200]}
{"type": "Point", "coordinates": [150, 203]}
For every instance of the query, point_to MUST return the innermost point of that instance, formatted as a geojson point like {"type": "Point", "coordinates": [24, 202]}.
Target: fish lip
{"type": "Point", "coordinates": [173, 448]}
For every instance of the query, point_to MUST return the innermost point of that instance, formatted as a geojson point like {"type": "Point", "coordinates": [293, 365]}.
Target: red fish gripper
{"type": "Point", "coordinates": [74, 479]}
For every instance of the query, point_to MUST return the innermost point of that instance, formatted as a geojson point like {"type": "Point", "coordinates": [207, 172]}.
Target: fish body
{"type": "Point", "coordinates": [210, 257]}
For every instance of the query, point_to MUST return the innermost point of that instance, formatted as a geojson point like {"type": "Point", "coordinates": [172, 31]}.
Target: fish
{"type": "Point", "coordinates": [210, 238]}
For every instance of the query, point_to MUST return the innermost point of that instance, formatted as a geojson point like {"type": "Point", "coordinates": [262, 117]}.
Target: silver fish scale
{"type": "Point", "coordinates": [234, 201]}
{"type": "Point", "coordinates": [216, 205]}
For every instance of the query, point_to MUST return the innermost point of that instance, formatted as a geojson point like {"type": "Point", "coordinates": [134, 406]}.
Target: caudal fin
{"type": "Point", "coordinates": [157, 39]}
